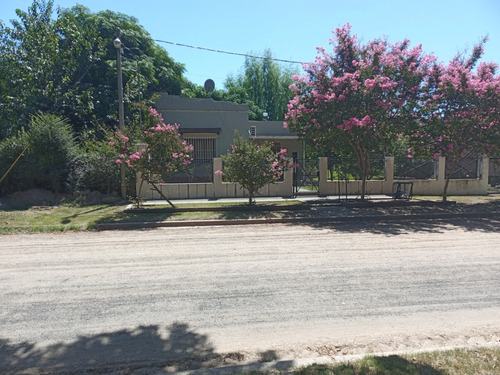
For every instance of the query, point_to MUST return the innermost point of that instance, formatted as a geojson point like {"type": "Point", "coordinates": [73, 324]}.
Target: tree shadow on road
{"type": "Point", "coordinates": [146, 348]}
{"type": "Point", "coordinates": [390, 218]}
{"type": "Point", "coordinates": [394, 227]}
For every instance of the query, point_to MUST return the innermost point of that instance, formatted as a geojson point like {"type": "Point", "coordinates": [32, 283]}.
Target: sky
{"type": "Point", "coordinates": [293, 29]}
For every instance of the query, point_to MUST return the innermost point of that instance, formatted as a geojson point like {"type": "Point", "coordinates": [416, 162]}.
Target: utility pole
{"type": "Point", "coordinates": [121, 117]}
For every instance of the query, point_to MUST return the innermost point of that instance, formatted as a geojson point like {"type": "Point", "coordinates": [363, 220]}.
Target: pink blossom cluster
{"type": "Point", "coordinates": [353, 122]}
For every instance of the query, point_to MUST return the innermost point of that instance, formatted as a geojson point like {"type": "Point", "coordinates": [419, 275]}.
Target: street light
{"type": "Point", "coordinates": [118, 45]}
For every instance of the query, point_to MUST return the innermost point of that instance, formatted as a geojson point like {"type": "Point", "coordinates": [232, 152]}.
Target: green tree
{"type": "Point", "coordinates": [253, 165]}
{"type": "Point", "coordinates": [28, 52]}
{"type": "Point", "coordinates": [264, 85]}
{"type": "Point", "coordinates": [67, 66]}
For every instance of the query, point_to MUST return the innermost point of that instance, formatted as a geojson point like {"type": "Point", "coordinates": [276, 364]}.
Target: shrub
{"type": "Point", "coordinates": [52, 152]}
{"type": "Point", "coordinates": [253, 165]}
{"type": "Point", "coordinates": [14, 179]}
{"type": "Point", "coordinates": [96, 168]}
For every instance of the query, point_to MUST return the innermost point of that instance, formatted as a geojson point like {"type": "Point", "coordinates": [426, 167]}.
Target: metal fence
{"type": "Point", "coordinates": [305, 175]}
{"type": "Point", "coordinates": [197, 171]}
{"type": "Point", "coordinates": [347, 169]}
{"type": "Point", "coordinates": [415, 169]}
{"type": "Point", "coordinates": [467, 169]}
{"type": "Point", "coordinates": [494, 175]}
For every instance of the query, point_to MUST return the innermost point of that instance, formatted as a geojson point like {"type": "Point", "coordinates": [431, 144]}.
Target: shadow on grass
{"type": "Point", "coordinates": [387, 218]}
{"type": "Point", "coordinates": [133, 217]}
{"type": "Point", "coordinates": [155, 215]}
{"type": "Point", "coordinates": [146, 348]}
{"type": "Point", "coordinates": [68, 219]}
{"type": "Point", "coordinates": [393, 364]}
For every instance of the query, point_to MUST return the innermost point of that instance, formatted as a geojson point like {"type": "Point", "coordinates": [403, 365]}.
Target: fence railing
{"type": "Point", "coordinates": [494, 175]}
{"type": "Point", "coordinates": [201, 181]}
{"type": "Point", "coordinates": [468, 169]}
{"type": "Point", "coordinates": [196, 171]}
{"type": "Point", "coordinates": [415, 169]}
{"type": "Point", "coordinates": [347, 169]}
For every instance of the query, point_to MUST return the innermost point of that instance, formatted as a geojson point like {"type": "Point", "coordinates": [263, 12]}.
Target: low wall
{"type": "Point", "coordinates": [477, 186]}
{"type": "Point", "coordinates": [219, 189]}
{"type": "Point", "coordinates": [216, 189]}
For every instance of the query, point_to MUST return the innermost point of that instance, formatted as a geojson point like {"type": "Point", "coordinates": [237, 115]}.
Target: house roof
{"type": "Point", "coordinates": [199, 130]}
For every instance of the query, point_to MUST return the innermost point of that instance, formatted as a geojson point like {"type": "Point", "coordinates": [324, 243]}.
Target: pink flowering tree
{"type": "Point", "coordinates": [155, 150]}
{"type": "Point", "coordinates": [253, 165]}
{"type": "Point", "coordinates": [462, 115]}
{"type": "Point", "coordinates": [354, 101]}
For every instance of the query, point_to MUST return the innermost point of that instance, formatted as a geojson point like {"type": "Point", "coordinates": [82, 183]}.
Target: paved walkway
{"type": "Point", "coordinates": [302, 198]}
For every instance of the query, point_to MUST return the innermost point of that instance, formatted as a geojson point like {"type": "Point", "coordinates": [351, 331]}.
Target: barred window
{"type": "Point", "coordinates": [204, 148]}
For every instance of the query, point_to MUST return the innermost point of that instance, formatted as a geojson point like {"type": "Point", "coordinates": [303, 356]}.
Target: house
{"type": "Point", "coordinates": [210, 126]}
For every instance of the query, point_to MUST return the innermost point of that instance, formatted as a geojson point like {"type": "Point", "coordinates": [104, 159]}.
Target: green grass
{"type": "Point", "coordinates": [57, 218]}
{"type": "Point", "coordinates": [451, 362]}
{"type": "Point", "coordinates": [73, 217]}
{"type": "Point", "coordinates": [480, 361]}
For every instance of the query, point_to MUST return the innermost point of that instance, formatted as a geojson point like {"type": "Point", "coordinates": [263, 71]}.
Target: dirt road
{"type": "Point", "coordinates": [179, 298]}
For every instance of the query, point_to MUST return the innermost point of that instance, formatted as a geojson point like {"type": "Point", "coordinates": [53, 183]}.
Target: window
{"type": "Point", "coordinates": [276, 147]}
{"type": "Point", "coordinates": [204, 148]}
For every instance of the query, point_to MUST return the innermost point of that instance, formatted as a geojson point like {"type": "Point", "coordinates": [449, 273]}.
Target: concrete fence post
{"type": "Point", "coordinates": [323, 176]}
{"type": "Point", "coordinates": [441, 176]}
{"type": "Point", "coordinates": [485, 174]}
{"type": "Point", "coordinates": [389, 175]}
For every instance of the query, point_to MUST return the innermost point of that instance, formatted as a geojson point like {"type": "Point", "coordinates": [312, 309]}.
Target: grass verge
{"type": "Point", "coordinates": [480, 361]}
{"type": "Point", "coordinates": [55, 218]}
{"type": "Point", "coordinates": [70, 217]}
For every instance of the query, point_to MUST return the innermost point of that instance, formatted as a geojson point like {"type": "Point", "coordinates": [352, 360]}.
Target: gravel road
{"type": "Point", "coordinates": [179, 298]}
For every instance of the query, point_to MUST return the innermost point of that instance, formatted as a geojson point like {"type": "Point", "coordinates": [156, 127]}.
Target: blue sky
{"type": "Point", "coordinates": [293, 29]}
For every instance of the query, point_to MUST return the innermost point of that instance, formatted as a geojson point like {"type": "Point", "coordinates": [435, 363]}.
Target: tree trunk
{"type": "Point", "coordinates": [445, 189]}
{"type": "Point", "coordinates": [140, 189]}
{"type": "Point", "coordinates": [250, 197]}
{"type": "Point", "coordinates": [365, 168]}
{"type": "Point", "coordinates": [448, 172]}
{"type": "Point", "coordinates": [363, 185]}
{"type": "Point", "coordinates": [160, 192]}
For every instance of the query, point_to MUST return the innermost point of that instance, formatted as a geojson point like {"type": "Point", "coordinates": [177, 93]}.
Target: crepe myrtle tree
{"type": "Point", "coordinates": [253, 165]}
{"type": "Point", "coordinates": [461, 118]}
{"type": "Point", "coordinates": [155, 150]}
{"type": "Point", "coordinates": [352, 101]}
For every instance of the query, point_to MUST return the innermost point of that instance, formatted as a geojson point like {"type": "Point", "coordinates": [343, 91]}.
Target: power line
{"type": "Point", "coordinates": [228, 53]}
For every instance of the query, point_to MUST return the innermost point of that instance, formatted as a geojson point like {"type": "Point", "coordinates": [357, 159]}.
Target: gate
{"type": "Point", "coordinates": [305, 176]}
{"type": "Point", "coordinates": [494, 174]}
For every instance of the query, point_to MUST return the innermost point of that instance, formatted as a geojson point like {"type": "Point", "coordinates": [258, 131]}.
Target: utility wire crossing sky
{"type": "Point", "coordinates": [212, 38]}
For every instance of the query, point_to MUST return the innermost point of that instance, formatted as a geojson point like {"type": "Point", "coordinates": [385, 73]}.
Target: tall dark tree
{"type": "Point", "coordinates": [28, 54]}
{"type": "Point", "coordinates": [67, 66]}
